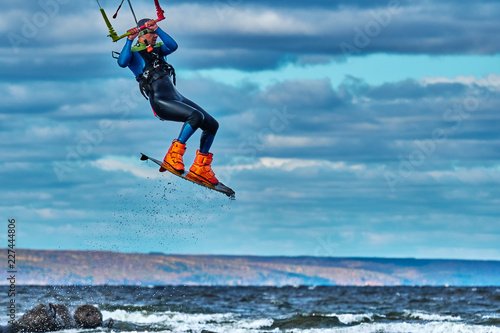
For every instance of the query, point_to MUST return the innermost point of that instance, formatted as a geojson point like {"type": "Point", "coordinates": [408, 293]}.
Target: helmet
{"type": "Point", "coordinates": [144, 31]}
{"type": "Point", "coordinates": [142, 22]}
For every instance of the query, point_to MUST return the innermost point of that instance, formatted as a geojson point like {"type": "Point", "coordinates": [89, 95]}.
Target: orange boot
{"type": "Point", "coordinates": [201, 168]}
{"type": "Point", "coordinates": [174, 156]}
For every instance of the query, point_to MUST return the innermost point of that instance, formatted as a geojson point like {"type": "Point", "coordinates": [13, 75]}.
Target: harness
{"type": "Point", "coordinates": [156, 68]}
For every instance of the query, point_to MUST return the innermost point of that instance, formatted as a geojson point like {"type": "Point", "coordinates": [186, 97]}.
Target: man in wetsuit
{"type": "Point", "coordinates": [147, 60]}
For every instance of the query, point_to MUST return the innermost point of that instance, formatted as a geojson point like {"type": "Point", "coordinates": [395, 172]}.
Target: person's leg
{"type": "Point", "coordinates": [173, 110]}
{"type": "Point", "coordinates": [201, 168]}
{"type": "Point", "coordinates": [176, 107]}
{"type": "Point", "coordinates": [178, 111]}
{"type": "Point", "coordinates": [186, 132]}
{"type": "Point", "coordinates": [209, 126]}
{"type": "Point", "coordinates": [169, 104]}
{"type": "Point", "coordinates": [206, 142]}
{"type": "Point", "coordinates": [208, 135]}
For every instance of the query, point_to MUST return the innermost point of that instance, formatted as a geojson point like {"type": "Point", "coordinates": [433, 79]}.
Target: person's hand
{"type": "Point", "coordinates": [151, 25]}
{"type": "Point", "coordinates": [133, 33]}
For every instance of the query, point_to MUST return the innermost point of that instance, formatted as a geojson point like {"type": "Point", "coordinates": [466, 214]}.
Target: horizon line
{"type": "Point", "coordinates": [258, 256]}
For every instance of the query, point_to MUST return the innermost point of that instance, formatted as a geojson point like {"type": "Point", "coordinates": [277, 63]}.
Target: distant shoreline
{"type": "Point", "coordinates": [76, 267]}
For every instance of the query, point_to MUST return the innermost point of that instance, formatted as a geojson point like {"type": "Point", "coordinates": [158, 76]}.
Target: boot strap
{"type": "Point", "coordinates": [178, 148]}
{"type": "Point", "coordinates": [204, 160]}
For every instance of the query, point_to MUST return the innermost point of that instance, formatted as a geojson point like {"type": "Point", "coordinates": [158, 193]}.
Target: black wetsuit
{"type": "Point", "coordinates": [155, 76]}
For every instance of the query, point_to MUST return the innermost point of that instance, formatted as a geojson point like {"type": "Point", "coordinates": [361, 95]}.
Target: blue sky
{"type": "Point", "coordinates": [347, 128]}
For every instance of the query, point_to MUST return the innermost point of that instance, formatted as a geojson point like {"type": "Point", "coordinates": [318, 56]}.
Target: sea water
{"type": "Point", "coordinates": [277, 309]}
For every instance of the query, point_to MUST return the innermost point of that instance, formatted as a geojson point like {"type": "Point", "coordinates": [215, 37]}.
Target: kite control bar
{"type": "Point", "coordinates": [114, 36]}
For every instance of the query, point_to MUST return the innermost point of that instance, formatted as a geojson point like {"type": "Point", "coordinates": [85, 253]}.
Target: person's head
{"type": "Point", "coordinates": [146, 36]}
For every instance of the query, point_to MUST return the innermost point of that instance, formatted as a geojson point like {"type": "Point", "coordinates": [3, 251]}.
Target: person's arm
{"type": "Point", "coordinates": [169, 44]}
{"type": "Point", "coordinates": [126, 55]}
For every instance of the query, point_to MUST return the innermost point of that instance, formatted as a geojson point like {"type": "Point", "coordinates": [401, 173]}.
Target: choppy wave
{"type": "Point", "coordinates": [301, 323]}
{"type": "Point", "coordinates": [349, 318]}
{"type": "Point", "coordinates": [433, 327]}
{"type": "Point", "coordinates": [276, 310]}
{"type": "Point", "coordinates": [431, 316]}
{"type": "Point", "coordinates": [490, 320]}
{"type": "Point", "coordinates": [185, 322]}
{"type": "Point", "coordinates": [143, 317]}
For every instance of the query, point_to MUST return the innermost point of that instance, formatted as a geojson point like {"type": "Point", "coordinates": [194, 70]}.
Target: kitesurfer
{"type": "Point", "coordinates": [147, 60]}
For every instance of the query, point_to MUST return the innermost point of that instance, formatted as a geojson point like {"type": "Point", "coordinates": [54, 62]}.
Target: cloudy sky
{"type": "Point", "coordinates": [347, 128]}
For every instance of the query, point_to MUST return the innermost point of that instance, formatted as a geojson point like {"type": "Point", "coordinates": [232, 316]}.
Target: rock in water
{"type": "Point", "coordinates": [88, 316]}
{"type": "Point", "coordinates": [39, 319]}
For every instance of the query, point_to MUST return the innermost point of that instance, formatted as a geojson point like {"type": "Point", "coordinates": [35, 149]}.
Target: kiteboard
{"type": "Point", "coordinates": [186, 175]}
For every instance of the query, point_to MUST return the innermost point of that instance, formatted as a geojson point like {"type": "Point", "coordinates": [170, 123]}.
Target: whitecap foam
{"type": "Point", "coordinates": [255, 324]}
{"type": "Point", "coordinates": [143, 317]}
{"type": "Point", "coordinates": [434, 327]}
{"type": "Point", "coordinates": [138, 317]}
{"type": "Point", "coordinates": [495, 316]}
{"type": "Point", "coordinates": [431, 316]}
{"type": "Point", "coordinates": [350, 318]}
{"type": "Point", "coordinates": [236, 326]}
{"type": "Point", "coordinates": [188, 322]}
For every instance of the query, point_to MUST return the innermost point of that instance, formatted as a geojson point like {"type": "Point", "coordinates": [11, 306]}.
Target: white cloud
{"type": "Point", "coordinates": [63, 230]}
{"type": "Point", "coordinates": [290, 164]}
{"type": "Point", "coordinates": [298, 141]}
{"type": "Point", "coordinates": [28, 195]}
{"type": "Point", "coordinates": [380, 239]}
{"type": "Point", "coordinates": [45, 212]}
{"type": "Point", "coordinates": [17, 166]}
{"type": "Point", "coordinates": [248, 20]}
{"type": "Point", "coordinates": [469, 175]}
{"type": "Point", "coordinates": [48, 132]}
{"type": "Point", "coordinates": [51, 213]}
{"type": "Point", "coordinates": [17, 91]}
{"type": "Point", "coordinates": [491, 81]}
{"type": "Point", "coordinates": [130, 165]}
